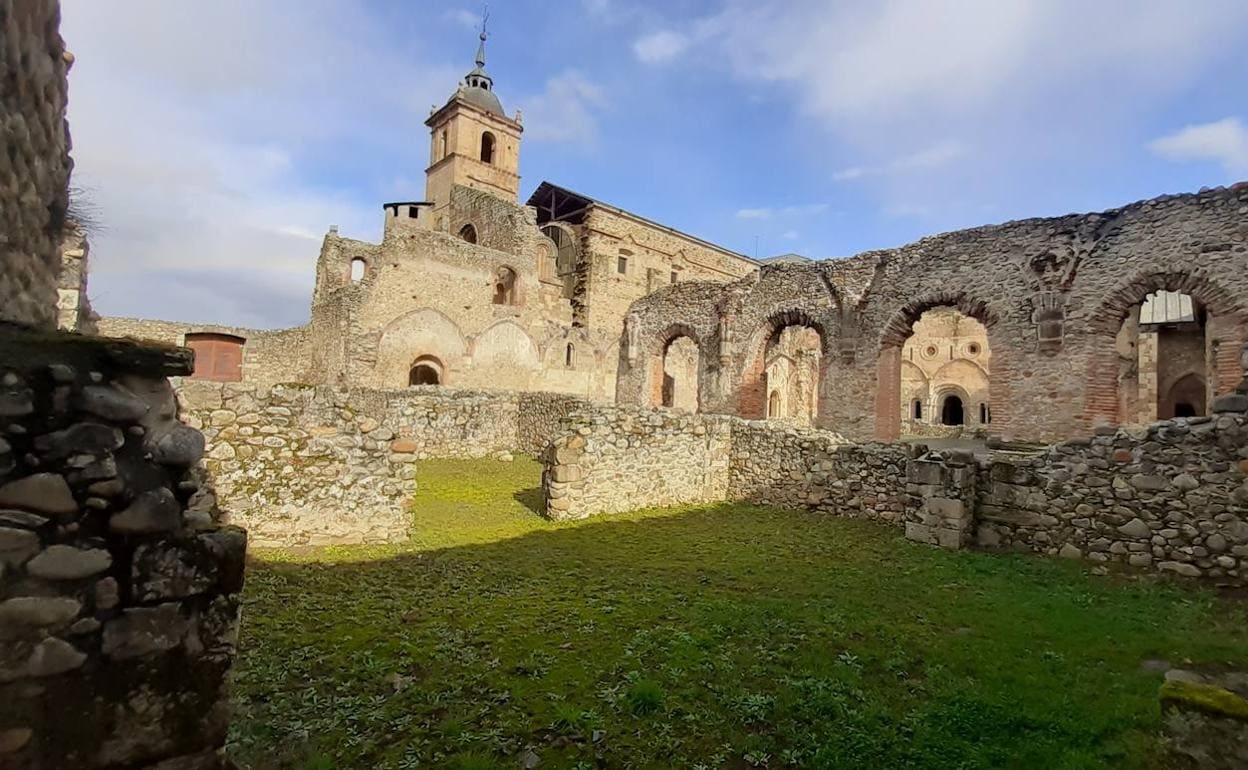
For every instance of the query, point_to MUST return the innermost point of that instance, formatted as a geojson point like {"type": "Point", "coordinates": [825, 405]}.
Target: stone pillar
{"type": "Point", "coordinates": [888, 395]}
{"type": "Point", "coordinates": [118, 590]}
{"type": "Point", "coordinates": [940, 507]}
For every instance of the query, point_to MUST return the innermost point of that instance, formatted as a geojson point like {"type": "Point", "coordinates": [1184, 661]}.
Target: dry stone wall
{"type": "Point", "coordinates": [118, 587]}
{"type": "Point", "coordinates": [1172, 496]}
{"type": "Point", "coordinates": [304, 465]}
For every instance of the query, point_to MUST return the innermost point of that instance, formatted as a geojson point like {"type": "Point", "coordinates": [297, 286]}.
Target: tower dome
{"type": "Point", "coordinates": [477, 87]}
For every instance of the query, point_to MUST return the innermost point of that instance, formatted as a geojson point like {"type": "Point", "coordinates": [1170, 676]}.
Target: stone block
{"type": "Point", "coordinates": [45, 493]}
{"type": "Point", "coordinates": [1230, 403]}
{"type": "Point", "coordinates": [945, 507]}
{"type": "Point", "coordinates": [65, 562]}
{"type": "Point", "coordinates": [1136, 528]}
{"type": "Point", "coordinates": [566, 473]}
{"type": "Point", "coordinates": [952, 539]}
{"type": "Point", "coordinates": [919, 533]}
{"type": "Point", "coordinates": [1179, 568]}
{"type": "Point", "coordinates": [156, 510]}
{"type": "Point", "coordinates": [144, 630]}
{"type": "Point", "coordinates": [925, 472]}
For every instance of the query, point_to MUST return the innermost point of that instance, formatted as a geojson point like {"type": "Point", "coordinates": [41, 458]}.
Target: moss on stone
{"type": "Point", "coordinates": [1206, 698]}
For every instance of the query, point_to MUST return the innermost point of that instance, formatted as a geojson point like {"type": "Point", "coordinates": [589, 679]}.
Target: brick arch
{"type": "Point", "coordinates": [752, 398]}
{"type": "Point", "coordinates": [901, 325]}
{"type": "Point", "coordinates": [1111, 311]}
{"type": "Point", "coordinates": [664, 338]}
{"type": "Point", "coordinates": [894, 335]}
{"type": "Point", "coordinates": [1226, 323]}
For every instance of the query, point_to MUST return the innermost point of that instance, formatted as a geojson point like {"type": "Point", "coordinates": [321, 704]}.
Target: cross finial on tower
{"type": "Point", "coordinates": [485, 17]}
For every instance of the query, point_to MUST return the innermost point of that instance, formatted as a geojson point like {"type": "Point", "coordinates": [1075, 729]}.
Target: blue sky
{"type": "Point", "coordinates": [216, 142]}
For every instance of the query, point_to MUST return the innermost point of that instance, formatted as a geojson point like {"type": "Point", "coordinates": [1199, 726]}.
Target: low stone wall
{"type": "Point", "coordinates": [617, 459]}
{"type": "Point", "coordinates": [118, 589]}
{"type": "Point", "coordinates": [817, 469]}
{"type": "Point", "coordinates": [317, 465]}
{"type": "Point", "coordinates": [1172, 495]}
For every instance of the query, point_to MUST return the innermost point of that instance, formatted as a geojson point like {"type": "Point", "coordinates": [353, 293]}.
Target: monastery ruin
{"type": "Point", "coordinates": [1096, 360]}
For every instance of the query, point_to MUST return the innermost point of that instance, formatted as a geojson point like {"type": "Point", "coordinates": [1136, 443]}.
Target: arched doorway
{"type": "Point", "coordinates": [951, 411]}
{"type": "Point", "coordinates": [680, 362]}
{"type": "Point", "coordinates": [1163, 359]}
{"type": "Point", "coordinates": [943, 371]}
{"type": "Point", "coordinates": [783, 379]}
{"type": "Point", "coordinates": [425, 370]}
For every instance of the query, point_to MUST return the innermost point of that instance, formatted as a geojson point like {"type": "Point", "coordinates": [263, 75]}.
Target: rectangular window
{"type": "Point", "coordinates": [621, 265]}
{"type": "Point", "coordinates": [674, 276]}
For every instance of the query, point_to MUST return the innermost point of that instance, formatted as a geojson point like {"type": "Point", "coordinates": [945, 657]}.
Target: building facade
{"type": "Point", "coordinates": [468, 287]}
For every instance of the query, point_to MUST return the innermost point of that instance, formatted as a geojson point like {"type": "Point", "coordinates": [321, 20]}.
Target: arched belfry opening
{"type": "Point", "coordinates": [487, 147]}
{"type": "Point", "coordinates": [505, 289]}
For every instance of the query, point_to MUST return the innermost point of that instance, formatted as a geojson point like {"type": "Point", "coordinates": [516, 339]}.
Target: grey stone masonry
{"type": "Point", "coordinates": [119, 604]}
{"type": "Point", "coordinates": [316, 465]}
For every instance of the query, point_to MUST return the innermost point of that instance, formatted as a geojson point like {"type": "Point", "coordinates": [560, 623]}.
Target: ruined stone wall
{"type": "Point", "coordinates": [118, 588]}
{"type": "Point", "coordinates": [1171, 496]}
{"type": "Point", "coordinates": [1051, 293]}
{"type": "Point", "coordinates": [34, 163]}
{"type": "Point", "coordinates": [73, 306]}
{"type": "Point", "coordinates": [270, 356]}
{"type": "Point", "coordinates": [303, 465]}
{"type": "Point", "coordinates": [611, 459]}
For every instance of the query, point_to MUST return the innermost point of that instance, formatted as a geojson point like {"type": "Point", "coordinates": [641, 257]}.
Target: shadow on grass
{"type": "Point", "coordinates": [851, 645]}
{"type": "Point", "coordinates": [532, 498]}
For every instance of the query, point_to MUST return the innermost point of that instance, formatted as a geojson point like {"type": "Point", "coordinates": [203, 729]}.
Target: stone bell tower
{"type": "Point", "coordinates": [472, 141]}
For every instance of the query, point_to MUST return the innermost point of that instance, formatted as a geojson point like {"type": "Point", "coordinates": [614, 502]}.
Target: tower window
{"type": "Point", "coordinates": [442, 153]}
{"type": "Point", "coordinates": [621, 265]}
{"type": "Point", "coordinates": [487, 147]}
{"type": "Point", "coordinates": [468, 233]}
{"type": "Point", "coordinates": [412, 212]}
{"type": "Point", "coordinates": [567, 356]}
{"type": "Point", "coordinates": [358, 265]}
{"type": "Point", "coordinates": [675, 276]}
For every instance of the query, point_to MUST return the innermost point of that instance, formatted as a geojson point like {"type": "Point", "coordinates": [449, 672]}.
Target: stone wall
{"type": "Point", "coordinates": [118, 588]}
{"type": "Point", "coordinates": [34, 163]}
{"type": "Point", "coordinates": [308, 465]}
{"type": "Point", "coordinates": [1052, 295]}
{"type": "Point", "coordinates": [621, 459]}
{"type": "Point", "coordinates": [1172, 496]}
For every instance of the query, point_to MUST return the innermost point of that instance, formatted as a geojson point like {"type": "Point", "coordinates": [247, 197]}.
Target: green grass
{"type": "Point", "coordinates": [730, 636]}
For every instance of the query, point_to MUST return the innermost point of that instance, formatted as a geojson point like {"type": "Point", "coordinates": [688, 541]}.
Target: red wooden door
{"type": "Point", "coordinates": [218, 357]}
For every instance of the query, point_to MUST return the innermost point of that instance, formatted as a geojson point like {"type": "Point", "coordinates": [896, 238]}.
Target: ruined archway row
{"type": "Point", "coordinates": [1050, 293]}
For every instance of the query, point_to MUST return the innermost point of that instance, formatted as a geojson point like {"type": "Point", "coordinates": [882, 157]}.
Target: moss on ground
{"type": "Point", "coordinates": [1206, 698]}
{"type": "Point", "coordinates": [723, 636]}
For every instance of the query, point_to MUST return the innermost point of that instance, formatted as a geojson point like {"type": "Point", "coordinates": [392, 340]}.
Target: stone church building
{"type": "Point", "coordinates": [468, 287]}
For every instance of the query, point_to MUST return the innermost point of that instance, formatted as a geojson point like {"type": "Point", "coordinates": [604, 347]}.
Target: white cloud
{"type": "Point", "coordinates": [565, 112]}
{"type": "Point", "coordinates": [660, 46]}
{"type": "Point", "coordinates": [790, 235]}
{"type": "Point", "coordinates": [465, 19]}
{"type": "Point", "coordinates": [928, 158]}
{"type": "Point", "coordinates": [785, 211]}
{"type": "Point", "coordinates": [1222, 141]}
{"type": "Point", "coordinates": [194, 135]}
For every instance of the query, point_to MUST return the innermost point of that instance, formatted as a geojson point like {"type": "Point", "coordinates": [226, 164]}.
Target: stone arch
{"type": "Point", "coordinates": [893, 337]}
{"type": "Point", "coordinates": [505, 354]}
{"type": "Point", "coordinates": [1225, 332]}
{"type": "Point", "coordinates": [752, 401]}
{"type": "Point", "coordinates": [423, 332]}
{"type": "Point", "coordinates": [676, 382]}
{"type": "Point", "coordinates": [426, 370]}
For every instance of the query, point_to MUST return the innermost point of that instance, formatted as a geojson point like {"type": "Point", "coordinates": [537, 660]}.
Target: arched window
{"type": "Point", "coordinates": [468, 233]}
{"type": "Point", "coordinates": [505, 286]}
{"type": "Point", "coordinates": [487, 147]}
{"type": "Point", "coordinates": [918, 409]}
{"type": "Point", "coordinates": [425, 370]}
{"type": "Point", "coordinates": [443, 148]}
{"type": "Point", "coordinates": [567, 356]}
{"type": "Point", "coordinates": [773, 404]}
{"type": "Point", "coordinates": [985, 416]}
{"type": "Point", "coordinates": [358, 266]}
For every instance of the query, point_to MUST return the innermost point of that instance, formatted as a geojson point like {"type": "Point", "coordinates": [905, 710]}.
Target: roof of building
{"type": "Point", "coordinates": [789, 258]}
{"type": "Point", "coordinates": [559, 204]}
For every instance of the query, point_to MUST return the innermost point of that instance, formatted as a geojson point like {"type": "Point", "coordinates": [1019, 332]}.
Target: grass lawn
{"type": "Point", "coordinates": [729, 636]}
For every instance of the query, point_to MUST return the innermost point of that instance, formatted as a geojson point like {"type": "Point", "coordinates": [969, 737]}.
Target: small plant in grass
{"type": "Point", "coordinates": [476, 760]}
{"type": "Point", "coordinates": [570, 720]}
{"type": "Point", "coordinates": [644, 697]}
{"type": "Point", "coordinates": [754, 707]}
